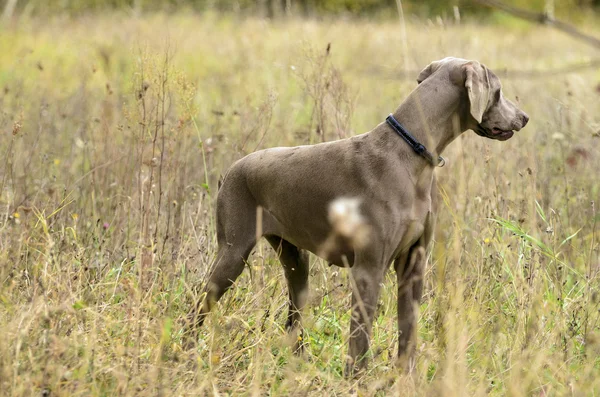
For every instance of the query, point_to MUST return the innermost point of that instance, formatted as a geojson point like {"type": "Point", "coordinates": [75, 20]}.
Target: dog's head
{"type": "Point", "coordinates": [491, 114]}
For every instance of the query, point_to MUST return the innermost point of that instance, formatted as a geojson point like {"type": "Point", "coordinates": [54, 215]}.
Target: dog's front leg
{"type": "Point", "coordinates": [366, 283]}
{"type": "Point", "coordinates": [409, 270]}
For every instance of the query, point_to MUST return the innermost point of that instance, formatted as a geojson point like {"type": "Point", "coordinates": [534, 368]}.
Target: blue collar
{"type": "Point", "coordinates": [417, 147]}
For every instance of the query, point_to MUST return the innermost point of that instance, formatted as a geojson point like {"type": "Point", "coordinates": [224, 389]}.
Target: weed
{"type": "Point", "coordinates": [113, 147]}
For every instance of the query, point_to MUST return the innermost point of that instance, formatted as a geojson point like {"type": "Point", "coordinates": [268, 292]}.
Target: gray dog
{"type": "Point", "coordinates": [382, 180]}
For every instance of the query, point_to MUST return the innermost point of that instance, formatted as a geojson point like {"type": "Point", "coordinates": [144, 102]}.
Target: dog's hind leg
{"type": "Point", "coordinates": [227, 267]}
{"type": "Point", "coordinates": [236, 236]}
{"type": "Point", "coordinates": [295, 266]}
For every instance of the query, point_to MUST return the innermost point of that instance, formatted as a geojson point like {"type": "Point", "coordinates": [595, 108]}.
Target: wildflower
{"type": "Point", "coordinates": [347, 223]}
{"type": "Point", "coordinates": [105, 225]}
{"type": "Point", "coordinates": [56, 161]}
{"type": "Point", "coordinates": [215, 359]}
{"type": "Point", "coordinates": [75, 216]}
{"type": "Point", "coordinates": [345, 217]}
{"type": "Point", "coordinates": [16, 215]}
{"type": "Point", "coordinates": [486, 240]}
{"type": "Point", "coordinates": [16, 128]}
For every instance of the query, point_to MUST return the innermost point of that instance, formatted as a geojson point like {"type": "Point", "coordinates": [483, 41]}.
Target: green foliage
{"type": "Point", "coordinates": [354, 6]}
{"type": "Point", "coordinates": [274, 8]}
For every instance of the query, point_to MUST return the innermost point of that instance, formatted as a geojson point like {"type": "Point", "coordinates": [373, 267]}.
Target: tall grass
{"type": "Point", "coordinates": [117, 129]}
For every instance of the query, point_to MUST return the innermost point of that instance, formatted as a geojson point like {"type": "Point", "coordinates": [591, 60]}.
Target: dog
{"type": "Point", "coordinates": [386, 176]}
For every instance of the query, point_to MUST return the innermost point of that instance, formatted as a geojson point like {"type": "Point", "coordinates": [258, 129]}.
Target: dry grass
{"type": "Point", "coordinates": [111, 153]}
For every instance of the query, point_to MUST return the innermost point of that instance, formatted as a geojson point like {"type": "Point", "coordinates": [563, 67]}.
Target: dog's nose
{"type": "Point", "coordinates": [525, 119]}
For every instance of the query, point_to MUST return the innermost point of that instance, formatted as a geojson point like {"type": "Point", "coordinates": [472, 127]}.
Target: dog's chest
{"type": "Point", "coordinates": [412, 223]}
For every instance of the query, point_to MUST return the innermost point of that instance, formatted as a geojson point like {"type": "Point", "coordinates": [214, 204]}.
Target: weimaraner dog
{"type": "Point", "coordinates": [386, 175]}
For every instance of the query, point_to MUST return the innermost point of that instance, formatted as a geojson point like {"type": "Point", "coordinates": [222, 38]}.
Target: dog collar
{"type": "Point", "coordinates": [419, 148]}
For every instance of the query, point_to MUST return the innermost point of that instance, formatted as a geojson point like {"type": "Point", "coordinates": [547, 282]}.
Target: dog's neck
{"type": "Point", "coordinates": [434, 117]}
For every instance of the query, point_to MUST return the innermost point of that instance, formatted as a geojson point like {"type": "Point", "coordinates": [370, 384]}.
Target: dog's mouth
{"type": "Point", "coordinates": [494, 133]}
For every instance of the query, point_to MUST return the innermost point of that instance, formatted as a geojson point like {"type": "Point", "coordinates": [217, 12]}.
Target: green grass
{"type": "Point", "coordinates": [116, 130]}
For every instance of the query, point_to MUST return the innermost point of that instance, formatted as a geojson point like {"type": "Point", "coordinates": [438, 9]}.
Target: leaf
{"type": "Point", "coordinates": [544, 249]}
{"type": "Point", "coordinates": [519, 232]}
{"type": "Point", "coordinates": [166, 330]}
{"type": "Point", "coordinates": [570, 237]}
{"type": "Point", "coordinates": [540, 211]}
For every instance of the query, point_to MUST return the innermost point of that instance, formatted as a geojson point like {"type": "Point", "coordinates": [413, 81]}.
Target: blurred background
{"type": "Point", "coordinates": [118, 118]}
{"type": "Point", "coordinates": [283, 8]}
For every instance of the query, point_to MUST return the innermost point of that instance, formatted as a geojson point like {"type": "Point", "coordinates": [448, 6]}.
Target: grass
{"type": "Point", "coordinates": [116, 130]}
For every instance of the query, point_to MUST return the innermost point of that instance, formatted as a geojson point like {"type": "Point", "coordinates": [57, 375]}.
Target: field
{"type": "Point", "coordinates": [116, 129]}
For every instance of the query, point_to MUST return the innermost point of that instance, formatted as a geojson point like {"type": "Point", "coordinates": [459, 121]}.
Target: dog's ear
{"type": "Point", "coordinates": [424, 73]}
{"type": "Point", "coordinates": [428, 71]}
{"type": "Point", "coordinates": [432, 67]}
{"type": "Point", "coordinates": [477, 83]}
